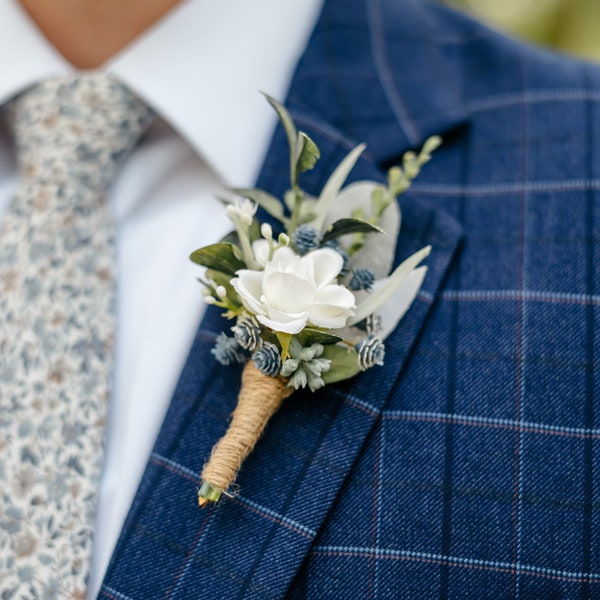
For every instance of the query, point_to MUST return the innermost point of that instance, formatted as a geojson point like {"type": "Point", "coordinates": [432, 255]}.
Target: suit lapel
{"type": "Point", "coordinates": [252, 545]}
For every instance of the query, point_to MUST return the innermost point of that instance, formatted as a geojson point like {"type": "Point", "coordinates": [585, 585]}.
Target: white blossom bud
{"type": "Point", "coordinates": [266, 231]}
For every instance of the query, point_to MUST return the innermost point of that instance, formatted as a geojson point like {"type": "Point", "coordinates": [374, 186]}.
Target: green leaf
{"type": "Point", "coordinates": [386, 291]}
{"type": "Point", "coordinates": [307, 153]}
{"type": "Point", "coordinates": [309, 336]}
{"type": "Point", "coordinates": [220, 257]}
{"type": "Point", "coordinates": [290, 132]}
{"type": "Point", "coordinates": [344, 226]}
{"type": "Point", "coordinates": [334, 184]}
{"type": "Point", "coordinates": [269, 203]}
{"type": "Point", "coordinates": [344, 363]}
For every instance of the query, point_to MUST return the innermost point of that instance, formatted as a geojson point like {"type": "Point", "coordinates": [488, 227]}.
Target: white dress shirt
{"type": "Point", "coordinates": [201, 69]}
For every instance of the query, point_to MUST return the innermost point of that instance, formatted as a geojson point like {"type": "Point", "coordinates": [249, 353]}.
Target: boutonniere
{"type": "Point", "coordinates": [311, 303]}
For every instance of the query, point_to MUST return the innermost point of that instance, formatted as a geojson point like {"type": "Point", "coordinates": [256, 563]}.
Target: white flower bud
{"type": "Point", "coordinates": [266, 231]}
{"type": "Point", "coordinates": [221, 291]}
{"type": "Point", "coordinates": [209, 300]}
{"type": "Point", "coordinates": [283, 239]}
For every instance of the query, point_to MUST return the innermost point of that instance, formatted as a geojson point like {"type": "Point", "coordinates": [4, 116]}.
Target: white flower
{"type": "Point", "coordinates": [242, 210]}
{"type": "Point", "coordinates": [294, 291]}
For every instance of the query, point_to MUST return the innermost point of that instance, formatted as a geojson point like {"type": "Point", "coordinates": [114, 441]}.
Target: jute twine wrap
{"type": "Point", "coordinates": [259, 399]}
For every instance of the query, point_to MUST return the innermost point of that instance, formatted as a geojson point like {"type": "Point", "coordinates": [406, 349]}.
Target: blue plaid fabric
{"type": "Point", "coordinates": [467, 466]}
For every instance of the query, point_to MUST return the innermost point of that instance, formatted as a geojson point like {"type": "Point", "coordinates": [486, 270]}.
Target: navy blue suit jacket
{"type": "Point", "coordinates": [467, 466]}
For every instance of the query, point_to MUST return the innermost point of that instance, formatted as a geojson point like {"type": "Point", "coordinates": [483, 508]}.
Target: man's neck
{"type": "Point", "coordinates": [89, 32]}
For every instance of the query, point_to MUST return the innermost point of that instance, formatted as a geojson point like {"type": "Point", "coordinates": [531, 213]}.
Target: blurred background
{"type": "Point", "coordinates": [571, 26]}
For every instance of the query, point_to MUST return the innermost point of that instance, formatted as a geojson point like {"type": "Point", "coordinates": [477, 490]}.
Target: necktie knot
{"type": "Point", "coordinates": [76, 128]}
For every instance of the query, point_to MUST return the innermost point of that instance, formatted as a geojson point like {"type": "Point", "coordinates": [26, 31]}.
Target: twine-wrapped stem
{"type": "Point", "coordinates": [259, 399]}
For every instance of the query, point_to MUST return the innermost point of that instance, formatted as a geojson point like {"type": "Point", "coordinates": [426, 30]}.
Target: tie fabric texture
{"type": "Point", "coordinates": [57, 273]}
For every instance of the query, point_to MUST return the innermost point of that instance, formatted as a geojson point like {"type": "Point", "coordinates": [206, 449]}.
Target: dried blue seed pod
{"type": "Point", "coordinates": [362, 279]}
{"type": "Point", "coordinates": [371, 351]}
{"type": "Point", "coordinates": [267, 359]}
{"type": "Point", "coordinates": [247, 332]}
{"type": "Point", "coordinates": [227, 350]}
{"type": "Point", "coordinates": [305, 238]}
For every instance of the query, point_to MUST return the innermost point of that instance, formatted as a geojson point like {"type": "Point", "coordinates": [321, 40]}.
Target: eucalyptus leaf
{"type": "Point", "coordinates": [307, 209]}
{"type": "Point", "coordinates": [269, 203]}
{"type": "Point", "coordinates": [289, 198]}
{"type": "Point", "coordinates": [220, 257]}
{"type": "Point", "coordinates": [290, 132]}
{"type": "Point", "coordinates": [345, 226]}
{"type": "Point", "coordinates": [388, 287]}
{"type": "Point", "coordinates": [395, 308]}
{"type": "Point", "coordinates": [344, 363]}
{"type": "Point", "coordinates": [307, 152]}
{"type": "Point", "coordinates": [334, 184]}
{"type": "Point", "coordinates": [309, 336]}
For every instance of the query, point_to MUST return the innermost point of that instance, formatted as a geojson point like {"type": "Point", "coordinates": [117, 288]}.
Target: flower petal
{"type": "Point", "coordinates": [287, 292]}
{"type": "Point", "coordinates": [283, 257]}
{"type": "Point", "coordinates": [328, 316]}
{"type": "Point", "coordinates": [337, 295]}
{"type": "Point", "coordinates": [248, 285]}
{"type": "Point", "coordinates": [327, 264]}
{"type": "Point", "coordinates": [293, 326]}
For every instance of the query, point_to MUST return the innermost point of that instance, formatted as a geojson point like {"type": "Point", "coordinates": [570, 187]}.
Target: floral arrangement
{"type": "Point", "coordinates": [313, 303]}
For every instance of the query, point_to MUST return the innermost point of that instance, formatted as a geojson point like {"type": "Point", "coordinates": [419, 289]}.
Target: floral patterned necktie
{"type": "Point", "coordinates": [57, 327]}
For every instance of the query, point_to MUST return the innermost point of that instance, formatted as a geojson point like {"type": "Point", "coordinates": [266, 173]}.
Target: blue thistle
{"type": "Point", "coordinates": [362, 279]}
{"type": "Point", "coordinates": [335, 245]}
{"type": "Point", "coordinates": [227, 350]}
{"type": "Point", "coordinates": [267, 359]}
{"type": "Point", "coordinates": [371, 351]}
{"type": "Point", "coordinates": [305, 238]}
{"type": "Point", "coordinates": [247, 332]}
{"type": "Point", "coordinates": [370, 324]}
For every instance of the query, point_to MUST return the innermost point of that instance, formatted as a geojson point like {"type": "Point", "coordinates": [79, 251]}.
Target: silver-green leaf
{"type": "Point", "coordinates": [290, 132]}
{"type": "Point", "coordinates": [388, 287]}
{"type": "Point", "coordinates": [334, 184]}
{"type": "Point", "coordinates": [344, 363]}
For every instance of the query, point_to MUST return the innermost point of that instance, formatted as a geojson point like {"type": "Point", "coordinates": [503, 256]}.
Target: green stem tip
{"type": "Point", "coordinates": [208, 493]}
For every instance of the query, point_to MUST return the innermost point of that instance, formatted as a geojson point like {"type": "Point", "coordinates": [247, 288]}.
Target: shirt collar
{"type": "Point", "coordinates": [201, 68]}
{"type": "Point", "coordinates": [25, 55]}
